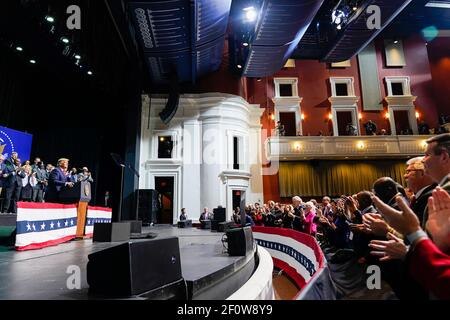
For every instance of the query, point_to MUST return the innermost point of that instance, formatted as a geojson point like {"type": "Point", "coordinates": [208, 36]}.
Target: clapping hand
{"type": "Point", "coordinates": [392, 249]}
{"type": "Point", "coordinates": [375, 224]}
{"type": "Point", "coordinates": [438, 223]}
{"type": "Point", "coordinates": [405, 221]}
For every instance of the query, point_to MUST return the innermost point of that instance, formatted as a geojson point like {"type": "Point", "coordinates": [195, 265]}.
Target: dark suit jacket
{"type": "Point", "coordinates": [56, 181]}
{"type": "Point", "coordinates": [14, 177]}
{"type": "Point", "coordinates": [420, 204]}
{"type": "Point", "coordinates": [446, 186]}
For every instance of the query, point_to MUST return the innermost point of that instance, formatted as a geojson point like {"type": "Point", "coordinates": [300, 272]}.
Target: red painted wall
{"type": "Point", "coordinates": [418, 69]}
{"type": "Point", "coordinates": [439, 56]}
{"type": "Point", "coordinates": [315, 89]}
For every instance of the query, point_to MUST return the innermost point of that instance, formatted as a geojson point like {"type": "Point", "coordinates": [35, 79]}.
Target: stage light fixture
{"type": "Point", "coordinates": [65, 40]}
{"type": "Point", "coordinates": [19, 49]}
{"type": "Point", "coordinates": [32, 61]}
{"type": "Point", "coordinates": [250, 14]}
{"type": "Point", "coordinates": [245, 44]}
{"type": "Point", "coordinates": [49, 19]}
{"type": "Point", "coordinates": [90, 73]}
{"type": "Point", "coordinates": [339, 27]}
{"type": "Point", "coordinates": [395, 41]}
{"type": "Point", "coordinates": [239, 66]}
{"type": "Point", "coordinates": [77, 56]}
{"type": "Point", "coordinates": [355, 8]}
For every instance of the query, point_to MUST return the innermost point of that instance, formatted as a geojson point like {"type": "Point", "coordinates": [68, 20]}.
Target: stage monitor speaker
{"type": "Point", "coordinates": [205, 224]}
{"type": "Point", "coordinates": [224, 226]}
{"type": "Point", "coordinates": [219, 214]}
{"type": "Point", "coordinates": [240, 241]}
{"type": "Point", "coordinates": [185, 224]}
{"type": "Point", "coordinates": [133, 268]}
{"type": "Point", "coordinates": [148, 206]}
{"type": "Point", "coordinates": [111, 232]}
{"type": "Point", "coordinates": [214, 225]}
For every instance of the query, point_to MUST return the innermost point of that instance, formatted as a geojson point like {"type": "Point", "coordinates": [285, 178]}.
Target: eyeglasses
{"type": "Point", "coordinates": [409, 171]}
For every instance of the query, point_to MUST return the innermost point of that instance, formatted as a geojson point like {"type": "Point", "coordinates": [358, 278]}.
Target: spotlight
{"type": "Point", "coordinates": [19, 48]}
{"type": "Point", "coordinates": [338, 16]}
{"type": "Point", "coordinates": [355, 8]}
{"type": "Point", "coordinates": [339, 27]}
{"type": "Point", "coordinates": [65, 40]}
{"type": "Point", "coordinates": [77, 56]}
{"type": "Point", "coordinates": [32, 61]}
{"type": "Point", "coordinates": [395, 41]}
{"type": "Point", "coordinates": [49, 19]}
{"type": "Point", "coordinates": [239, 66]}
{"type": "Point", "coordinates": [250, 14]}
{"type": "Point", "coordinates": [90, 73]}
{"type": "Point", "coordinates": [245, 44]}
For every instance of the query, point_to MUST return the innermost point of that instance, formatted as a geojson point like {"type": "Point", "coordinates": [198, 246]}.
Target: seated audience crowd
{"type": "Point", "coordinates": [405, 230]}
{"type": "Point", "coordinates": [22, 181]}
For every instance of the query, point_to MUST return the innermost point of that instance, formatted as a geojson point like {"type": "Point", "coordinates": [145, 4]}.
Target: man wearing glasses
{"type": "Point", "coordinates": [420, 184]}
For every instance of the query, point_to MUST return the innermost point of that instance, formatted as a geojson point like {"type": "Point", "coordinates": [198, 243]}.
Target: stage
{"type": "Point", "coordinates": [209, 272]}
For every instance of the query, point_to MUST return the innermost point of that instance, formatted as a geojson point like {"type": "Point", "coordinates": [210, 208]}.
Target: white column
{"type": "Point", "coordinates": [192, 142]}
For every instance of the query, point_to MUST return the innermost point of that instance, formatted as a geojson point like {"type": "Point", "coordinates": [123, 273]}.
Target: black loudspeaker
{"type": "Point", "coordinates": [205, 224]}
{"type": "Point", "coordinates": [214, 225]}
{"type": "Point", "coordinates": [111, 232]}
{"type": "Point", "coordinates": [172, 103]}
{"type": "Point", "coordinates": [133, 268]}
{"type": "Point", "coordinates": [219, 214]}
{"type": "Point", "coordinates": [224, 226]}
{"type": "Point", "coordinates": [185, 224]}
{"type": "Point", "coordinates": [148, 206]}
{"type": "Point", "coordinates": [240, 241]}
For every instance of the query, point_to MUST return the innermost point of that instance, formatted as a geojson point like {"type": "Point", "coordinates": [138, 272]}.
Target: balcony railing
{"type": "Point", "coordinates": [304, 148]}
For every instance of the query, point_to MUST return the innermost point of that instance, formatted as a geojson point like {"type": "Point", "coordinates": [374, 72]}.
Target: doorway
{"type": "Point", "coordinates": [288, 120]}
{"type": "Point", "coordinates": [343, 119]}
{"type": "Point", "coordinates": [402, 125]}
{"type": "Point", "coordinates": [164, 186]}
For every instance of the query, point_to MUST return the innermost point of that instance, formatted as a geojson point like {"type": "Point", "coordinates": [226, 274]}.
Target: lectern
{"type": "Point", "coordinates": [79, 194]}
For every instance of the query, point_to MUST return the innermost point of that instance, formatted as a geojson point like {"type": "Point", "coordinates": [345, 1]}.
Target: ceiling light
{"type": "Point", "coordinates": [250, 14]}
{"type": "Point", "coordinates": [65, 40]}
{"type": "Point", "coordinates": [19, 48]}
{"type": "Point", "coordinates": [438, 4]}
{"type": "Point", "coordinates": [49, 19]}
{"type": "Point", "coordinates": [32, 61]}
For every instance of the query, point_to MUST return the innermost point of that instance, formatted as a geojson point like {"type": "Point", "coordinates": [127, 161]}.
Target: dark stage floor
{"type": "Point", "coordinates": [41, 274]}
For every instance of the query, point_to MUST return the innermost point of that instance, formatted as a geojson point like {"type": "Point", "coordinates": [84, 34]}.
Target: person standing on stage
{"type": "Point", "coordinates": [183, 215]}
{"type": "Point", "coordinates": [2, 169]}
{"type": "Point", "coordinates": [58, 178]}
{"type": "Point", "coordinates": [13, 175]}
{"type": "Point", "coordinates": [205, 215]}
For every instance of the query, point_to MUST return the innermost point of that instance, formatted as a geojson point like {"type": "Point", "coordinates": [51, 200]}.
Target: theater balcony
{"type": "Point", "coordinates": [344, 147]}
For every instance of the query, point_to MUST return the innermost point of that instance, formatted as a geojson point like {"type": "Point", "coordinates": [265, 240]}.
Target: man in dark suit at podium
{"type": "Point", "coordinates": [58, 178]}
